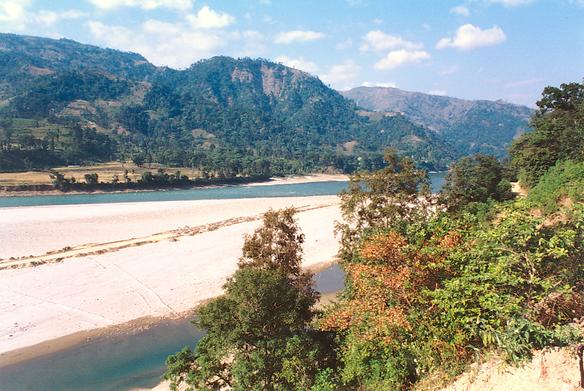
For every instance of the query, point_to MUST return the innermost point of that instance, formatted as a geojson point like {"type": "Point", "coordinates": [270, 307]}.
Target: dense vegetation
{"type": "Point", "coordinates": [470, 126]}
{"type": "Point", "coordinates": [475, 179]}
{"type": "Point", "coordinates": [225, 117]}
{"type": "Point", "coordinates": [558, 133]}
{"type": "Point", "coordinates": [433, 283]}
{"type": "Point", "coordinates": [259, 335]}
{"type": "Point", "coordinates": [222, 116]}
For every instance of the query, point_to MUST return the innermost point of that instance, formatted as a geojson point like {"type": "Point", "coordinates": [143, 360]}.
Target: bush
{"type": "Point", "coordinates": [475, 179]}
{"type": "Point", "coordinates": [564, 180]}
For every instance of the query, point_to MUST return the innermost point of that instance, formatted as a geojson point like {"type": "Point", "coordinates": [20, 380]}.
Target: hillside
{"type": "Point", "coordinates": [471, 126]}
{"type": "Point", "coordinates": [62, 102]}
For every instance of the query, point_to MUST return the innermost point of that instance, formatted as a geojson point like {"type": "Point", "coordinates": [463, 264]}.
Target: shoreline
{"type": "Point", "coordinates": [70, 341]}
{"type": "Point", "coordinates": [130, 264]}
{"type": "Point", "coordinates": [287, 180]}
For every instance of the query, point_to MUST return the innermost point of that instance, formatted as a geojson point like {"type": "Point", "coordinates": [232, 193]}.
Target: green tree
{"type": "Point", "coordinates": [258, 333]}
{"type": "Point", "coordinates": [558, 133]}
{"type": "Point", "coordinates": [475, 179]}
{"type": "Point", "coordinates": [277, 244]}
{"type": "Point", "coordinates": [91, 179]}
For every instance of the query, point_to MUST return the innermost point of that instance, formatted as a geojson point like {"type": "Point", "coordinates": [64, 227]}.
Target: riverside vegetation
{"type": "Point", "coordinates": [432, 283]}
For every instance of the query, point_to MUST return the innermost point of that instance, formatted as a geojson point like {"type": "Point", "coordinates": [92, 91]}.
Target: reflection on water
{"type": "Point", "coordinates": [120, 362]}
{"type": "Point", "coordinates": [225, 192]}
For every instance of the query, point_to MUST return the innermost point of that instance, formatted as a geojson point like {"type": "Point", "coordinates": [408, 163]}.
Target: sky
{"type": "Point", "coordinates": [472, 49]}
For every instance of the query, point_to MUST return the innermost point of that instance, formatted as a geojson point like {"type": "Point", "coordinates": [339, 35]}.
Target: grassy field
{"type": "Point", "coordinates": [105, 171]}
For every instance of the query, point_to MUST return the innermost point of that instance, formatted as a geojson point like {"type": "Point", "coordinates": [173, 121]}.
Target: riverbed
{"type": "Point", "coordinates": [123, 283]}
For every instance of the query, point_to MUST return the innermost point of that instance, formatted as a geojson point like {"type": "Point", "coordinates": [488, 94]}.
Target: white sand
{"type": "Point", "coordinates": [156, 279]}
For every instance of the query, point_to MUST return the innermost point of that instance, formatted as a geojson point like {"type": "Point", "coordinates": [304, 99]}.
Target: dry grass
{"type": "Point", "coordinates": [105, 171]}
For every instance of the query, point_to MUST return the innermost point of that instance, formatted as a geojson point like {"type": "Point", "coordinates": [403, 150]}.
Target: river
{"type": "Point", "coordinates": [136, 359]}
{"type": "Point", "coordinates": [204, 193]}
{"type": "Point", "coordinates": [120, 362]}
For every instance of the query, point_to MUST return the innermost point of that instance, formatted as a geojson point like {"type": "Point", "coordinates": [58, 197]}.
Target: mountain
{"type": "Point", "coordinates": [62, 102]}
{"type": "Point", "coordinates": [470, 125]}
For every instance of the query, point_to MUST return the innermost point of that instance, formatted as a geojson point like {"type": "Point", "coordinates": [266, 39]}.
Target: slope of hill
{"type": "Point", "coordinates": [471, 126]}
{"type": "Point", "coordinates": [64, 102]}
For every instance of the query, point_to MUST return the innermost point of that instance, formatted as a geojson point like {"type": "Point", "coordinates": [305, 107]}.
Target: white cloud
{"type": "Point", "coordinates": [379, 41]}
{"type": "Point", "coordinates": [174, 45]}
{"type": "Point", "coordinates": [379, 84]}
{"type": "Point", "coordinates": [298, 36]}
{"type": "Point", "coordinates": [462, 10]}
{"type": "Point", "coordinates": [206, 18]}
{"type": "Point", "coordinates": [180, 5]}
{"type": "Point", "coordinates": [13, 13]}
{"type": "Point", "coordinates": [298, 63]}
{"type": "Point", "coordinates": [253, 43]}
{"type": "Point", "coordinates": [438, 92]}
{"type": "Point", "coordinates": [342, 75]}
{"type": "Point", "coordinates": [49, 18]}
{"type": "Point", "coordinates": [511, 3]}
{"type": "Point", "coordinates": [401, 57]}
{"type": "Point", "coordinates": [470, 37]}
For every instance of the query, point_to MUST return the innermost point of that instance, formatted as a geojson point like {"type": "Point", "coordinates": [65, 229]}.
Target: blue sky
{"type": "Point", "coordinates": [476, 49]}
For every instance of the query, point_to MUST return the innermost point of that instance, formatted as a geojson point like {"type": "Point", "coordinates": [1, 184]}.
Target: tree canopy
{"type": "Point", "coordinates": [475, 179]}
{"type": "Point", "coordinates": [558, 133]}
{"type": "Point", "coordinates": [258, 333]}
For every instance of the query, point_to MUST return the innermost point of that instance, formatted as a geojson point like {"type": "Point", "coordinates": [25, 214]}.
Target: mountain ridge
{"type": "Point", "coordinates": [474, 125]}
{"type": "Point", "coordinates": [63, 102]}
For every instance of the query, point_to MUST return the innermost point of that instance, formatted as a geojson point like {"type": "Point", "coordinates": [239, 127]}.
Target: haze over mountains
{"type": "Point", "coordinates": [470, 125]}
{"type": "Point", "coordinates": [62, 102]}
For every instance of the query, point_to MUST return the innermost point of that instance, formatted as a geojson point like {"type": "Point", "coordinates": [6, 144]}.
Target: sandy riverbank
{"type": "Point", "coordinates": [162, 277]}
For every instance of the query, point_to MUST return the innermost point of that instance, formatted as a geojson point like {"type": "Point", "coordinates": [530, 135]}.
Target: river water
{"type": "Point", "coordinates": [120, 362]}
{"type": "Point", "coordinates": [205, 193]}
{"type": "Point", "coordinates": [136, 359]}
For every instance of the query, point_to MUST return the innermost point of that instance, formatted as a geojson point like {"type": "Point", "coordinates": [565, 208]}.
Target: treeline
{"type": "Point", "coordinates": [433, 283]}
{"type": "Point", "coordinates": [149, 180]}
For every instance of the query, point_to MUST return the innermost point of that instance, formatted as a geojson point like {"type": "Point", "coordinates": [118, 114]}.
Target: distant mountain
{"type": "Point", "coordinates": [470, 125]}
{"type": "Point", "coordinates": [65, 102]}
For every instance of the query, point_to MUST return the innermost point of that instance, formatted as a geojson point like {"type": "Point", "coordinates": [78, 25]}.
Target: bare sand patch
{"type": "Point", "coordinates": [549, 370]}
{"type": "Point", "coordinates": [156, 279]}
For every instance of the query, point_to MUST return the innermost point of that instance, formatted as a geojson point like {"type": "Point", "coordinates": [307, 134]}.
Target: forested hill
{"type": "Point", "coordinates": [62, 102]}
{"type": "Point", "coordinates": [470, 125]}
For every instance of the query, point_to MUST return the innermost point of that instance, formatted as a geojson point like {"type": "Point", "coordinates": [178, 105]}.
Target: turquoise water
{"type": "Point", "coordinates": [136, 359]}
{"type": "Point", "coordinates": [223, 192]}
{"type": "Point", "coordinates": [120, 362]}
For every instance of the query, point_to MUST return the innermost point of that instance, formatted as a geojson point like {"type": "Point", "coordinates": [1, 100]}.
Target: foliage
{"type": "Point", "coordinates": [392, 197]}
{"type": "Point", "coordinates": [475, 179]}
{"type": "Point", "coordinates": [258, 334]}
{"type": "Point", "coordinates": [558, 133]}
{"type": "Point", "coordinates": [428, 290]}
{"type": "Point", "coordinates": [91, 179]}
{"type": "Point", "coordinates": [277, 244]}
{"type": "Point", "coordinates": [226, 117]}
{"type": "Point", "coordinates": [564, 182]}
